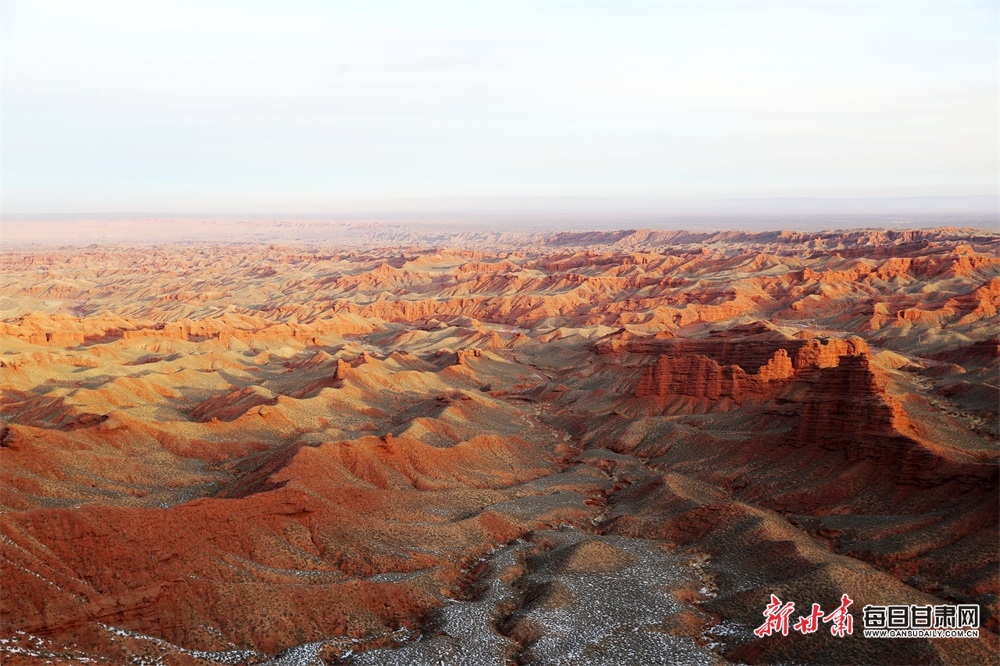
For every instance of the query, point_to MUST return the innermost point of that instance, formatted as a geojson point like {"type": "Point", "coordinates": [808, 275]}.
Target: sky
{"type": "Point", "coordinates": [301, 108]}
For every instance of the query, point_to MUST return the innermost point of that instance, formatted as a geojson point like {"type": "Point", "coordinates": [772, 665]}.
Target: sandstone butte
{"type": "Point", "coordinates": [559, 448]}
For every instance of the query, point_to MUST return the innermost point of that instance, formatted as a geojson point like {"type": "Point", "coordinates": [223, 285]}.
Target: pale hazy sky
{"type": "Point", "coordinates": [299, 107]}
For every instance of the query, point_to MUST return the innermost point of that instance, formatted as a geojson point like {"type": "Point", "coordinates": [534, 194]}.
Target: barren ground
{"type": "Point", "coordinates": [573, 448]}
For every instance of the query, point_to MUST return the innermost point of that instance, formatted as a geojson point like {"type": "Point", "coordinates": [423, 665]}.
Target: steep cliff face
{"type": "Point", "coordinates": [739, 369]}
{"type": "Point", "coordinates": [827, 390]}
{"type": "Point", "coordinates": [847, 403]}
{"type": "Point", "coordinates": [343, 370]}
{"type": "Point", "coordinates": [848, 409]}
{"type": "Point", "coordinates": [698, 376]}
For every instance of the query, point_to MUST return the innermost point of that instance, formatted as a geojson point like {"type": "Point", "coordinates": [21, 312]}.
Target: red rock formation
{"type": "Point", "coordinates": [232, 405]}
{"type": "Point", "coordinates": [714, 368]}
{"type": "Point", "coordinates": [848, 404]}
{"type": "Point", "coordinates": [343, 370]}
{"type": "Point", "coordinates": [463, 355]}
{"type": "Point", "coordinates": [186, 450]}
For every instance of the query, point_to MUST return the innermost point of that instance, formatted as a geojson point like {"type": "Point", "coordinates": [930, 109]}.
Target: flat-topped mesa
{"type": "Point", "coordinates": [726, 367]}
{"type": "Point", "coordinates": [847, 409]}
{"type": "Point", "coordinates": [40, 329]}
{"type": "Point", "coordinates": [699, 376]}
{"type": "Point", "coordinates": [745, 346]}
{"type": "Point", "coordinates": [63, 338]}
{"type": "Point", "coordinates": [848, 404]}
{"type": "Point", "coordinates": [169, 331]}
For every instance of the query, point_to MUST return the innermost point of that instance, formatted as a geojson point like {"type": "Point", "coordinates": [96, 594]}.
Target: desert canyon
{"type": "Point", "coordinates": [496, 448]}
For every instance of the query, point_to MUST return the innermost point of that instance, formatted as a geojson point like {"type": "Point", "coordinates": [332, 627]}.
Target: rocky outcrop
{"type": "Point", "coordinates": [698, 376]}
{"type": "Point", "coordinates": [233, 405]}
{"type": "Point", "coordinates": [462, 356]}
{"type": "Point", "coordinates": [847, 403]}
{"type": "Point", "coordinates": [343, 370]}
{"type": "Point", "coordinates": [740, 368]}
{"type": "Point", "coordinates": [827, 352]}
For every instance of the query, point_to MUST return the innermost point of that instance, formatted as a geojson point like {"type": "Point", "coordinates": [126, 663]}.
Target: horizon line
{"type": "Point", "coordinates": [980, 204]}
